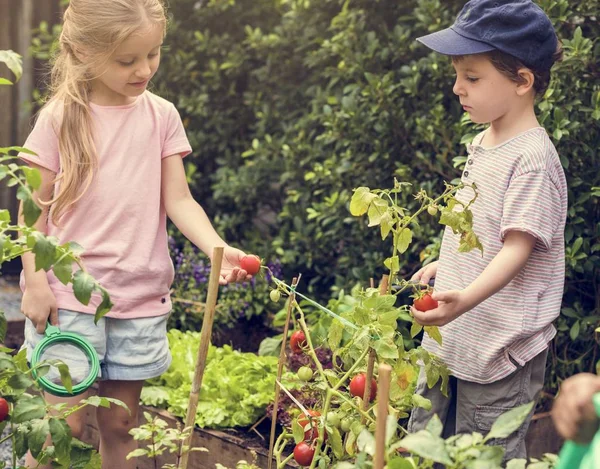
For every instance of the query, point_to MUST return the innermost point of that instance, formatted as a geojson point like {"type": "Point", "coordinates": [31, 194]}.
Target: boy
{"type": "Point", "coordinates": [496, 310]}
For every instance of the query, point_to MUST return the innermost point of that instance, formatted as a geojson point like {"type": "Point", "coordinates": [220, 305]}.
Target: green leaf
{"type": "Point", "coordinates": [270, 347]}
{"type": "Point", "coordinates": [61, 438]}
{"type": "Point", "coordinates": [510, 421]}
{"type": "Point", "coordinates": [386, 349]}
{"type": "Point", "coordinates": [415, 328]}
{"type": "Point", "coordinates": [361, 199]}
{"type": "Point", "coordinates": [83, 286]}
{"type": "Point", "coordinates": [13, 61]}
{"type": "Point", "coordinates": [65, 376]}
{"type": "Point", "coordinates": [335, 440]}
{"type": "Point", "coordinates": [386, 224]}
{"type": "Point", "coordinates": [104, 307]}
{"type": "Point", "coordinates": [20, 382]}
{"type": "Point", "coordinates": [366, 442]}
{"type": "Point", "coordinates": [3, 325]}
{"type": "Point", "coordinates": [44, 250]}
{"type": "Point", "coordinates": [434, 333]}
{"type": "Point", "coordinates": [31, 212]}
{"type": "Point", "coordinates": [403, 240]}
{"type": "Point", "coordinates": [435, 426]}
{"type": "Point", "coordinates": [297, 431]}
{"type": "Point", "coordinates": [399, 462]}
{"type": "Point", "coordinates": [427, 446]}
{"type": "Point", "coordinates": [420, 401]}
{"type": "Point", "coordinates": [63, 270]}
{"type": "Point", "coordinates": [37, 436]}
{"type": "Point", "coordinates": [377, 211]}
{"type": "Point", "coordinates": [29, 408]}
{"type": "Point", "coordinates": [32, 176]}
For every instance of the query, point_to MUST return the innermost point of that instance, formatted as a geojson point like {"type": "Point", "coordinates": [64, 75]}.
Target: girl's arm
{"type": "Point", "coordinates": [513, 256]}
{"type": "Point", "coordinates": [191, 219]}
{"type": "Point", "coordinates": [38, 301]}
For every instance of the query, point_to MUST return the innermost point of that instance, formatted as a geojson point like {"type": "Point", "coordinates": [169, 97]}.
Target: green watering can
{"type": "Point", "coordinates": [576, 456]}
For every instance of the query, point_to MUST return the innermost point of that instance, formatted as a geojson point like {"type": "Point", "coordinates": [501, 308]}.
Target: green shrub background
{"type": "Point", "coordinates": [290, 104]}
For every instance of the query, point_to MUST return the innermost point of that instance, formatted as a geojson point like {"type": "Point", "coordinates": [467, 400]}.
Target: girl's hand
{"type": "Point", "coordinates": [230, 268]}
{"type": "Point", "coordinates": [39, 304]}
{"type": "Point", "coordinates": [573, 412]}
{"type": "Point", "coordinates": [426, 273]}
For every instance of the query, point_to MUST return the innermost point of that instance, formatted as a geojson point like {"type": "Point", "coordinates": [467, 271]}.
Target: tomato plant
{"type": "Point", "coordinates": [304, 453]}
{"type": "Point", "coordinates": [357, 386]}
{"type": "Point", "coordinates": [250, 264]}
{"type": "Point", "coordinates": [298, 341]}
{"type": "Point", "coordinates": [425, 303]}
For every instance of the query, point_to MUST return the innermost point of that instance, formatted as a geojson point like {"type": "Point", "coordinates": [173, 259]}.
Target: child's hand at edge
{"type": "Point", "coordinates": [425, 273]}
{"type": "Point", "coordinates": [573, 411]}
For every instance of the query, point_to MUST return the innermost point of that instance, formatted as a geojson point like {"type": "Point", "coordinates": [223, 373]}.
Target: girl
{"type": "Point", "coordinates": [110, 155]}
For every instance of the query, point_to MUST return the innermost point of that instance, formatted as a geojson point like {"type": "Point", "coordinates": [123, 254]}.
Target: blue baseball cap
{"type": "Point", "coordinates": [516, 27]}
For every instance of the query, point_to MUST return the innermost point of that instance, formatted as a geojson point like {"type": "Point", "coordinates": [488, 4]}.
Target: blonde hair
{"type": "Point", "coordinates": [91, 29]}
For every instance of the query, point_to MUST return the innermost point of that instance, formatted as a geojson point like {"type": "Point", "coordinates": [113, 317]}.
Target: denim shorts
{"type": "Point", "coordinates": [128, 349]}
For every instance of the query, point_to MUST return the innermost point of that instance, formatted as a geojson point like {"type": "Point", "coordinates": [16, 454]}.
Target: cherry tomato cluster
{"type": "Point", "coordinates": [305, 450]}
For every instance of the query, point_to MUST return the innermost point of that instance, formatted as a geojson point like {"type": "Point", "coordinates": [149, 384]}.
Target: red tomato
{"type": "Point", "coordinates": [357, 386]}
{"type": "Point", "coordinates": [304, 453]}
{"type": "Point", "coordinates": [250, 264]}
{"type": "Point", "coordinates": [3, 409]}
{"type": "Point", "coordinates": [297, 341]}
{"type": "Point", "coordinates": [426, 303]}
{"type": "Point", "coordinates": [312, 432]}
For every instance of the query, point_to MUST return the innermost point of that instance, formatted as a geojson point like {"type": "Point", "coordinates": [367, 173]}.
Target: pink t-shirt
{"type": "Point", "coordinates": [121, 220]}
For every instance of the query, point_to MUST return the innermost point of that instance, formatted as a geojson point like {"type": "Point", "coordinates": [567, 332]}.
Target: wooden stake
{"type": "Point", "coordinates": [382, 411]}
{"type": "Point", "coordinates": [282, 359]}
{"type": "Point", "coordinates": [383, 286]}
{"type": "Point", "coordinates": [207, 325]}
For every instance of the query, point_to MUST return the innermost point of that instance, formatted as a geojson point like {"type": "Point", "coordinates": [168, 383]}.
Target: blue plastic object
{"type": "Point", "coordinates": [576, 456]}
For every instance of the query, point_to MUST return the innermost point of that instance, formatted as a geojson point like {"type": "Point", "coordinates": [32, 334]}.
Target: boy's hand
{"type": "Point", "coordinates": [230, 268]}
{"type": "Point", "coordinates": [425, 273]}
{"type": "Point", "coordinates": [452, 304]}
{"type": "Point", "coordinates": [573, 412]}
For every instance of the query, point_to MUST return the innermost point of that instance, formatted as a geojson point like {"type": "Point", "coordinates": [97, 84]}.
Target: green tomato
{"type": "Point", "coordinates": [346, 424]}
{"type": "Point", "coordinates": [432, 210]}
{"type": "Point", "coordinates": [275, 295]}
{"type": "Point", "coordinates": [305, 373]}
{"type": "Point", "coordinates": [333, 419]}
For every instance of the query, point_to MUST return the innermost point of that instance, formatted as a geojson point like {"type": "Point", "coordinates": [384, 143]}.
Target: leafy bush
{"type": "Point", "coordinates": [290, 104]}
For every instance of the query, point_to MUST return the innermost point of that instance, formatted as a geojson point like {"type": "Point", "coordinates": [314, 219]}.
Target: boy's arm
{"type": "Point", "coordinates": [191, 219]}
{"type": "Point", "coordinates": [513, 256]}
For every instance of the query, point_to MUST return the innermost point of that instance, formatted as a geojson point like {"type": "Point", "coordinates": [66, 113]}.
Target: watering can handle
{"type": "Point", "coordinates": [572, 454]}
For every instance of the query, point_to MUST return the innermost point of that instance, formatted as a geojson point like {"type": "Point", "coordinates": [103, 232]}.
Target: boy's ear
{"type": "Point", "coordinates": [526, 82]}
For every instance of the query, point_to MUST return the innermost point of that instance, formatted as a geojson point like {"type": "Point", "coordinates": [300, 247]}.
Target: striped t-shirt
{"type": "Point", "coordinates": [521, 186]}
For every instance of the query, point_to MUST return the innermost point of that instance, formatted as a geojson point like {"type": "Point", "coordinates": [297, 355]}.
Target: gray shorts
{"type": "Point", "coordinates": [128, 349]}
{"type": "Point", "coordinates": [472, 407]}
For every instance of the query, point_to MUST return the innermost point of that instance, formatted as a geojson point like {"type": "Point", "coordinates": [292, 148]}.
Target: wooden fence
{"type": "Point", "coordinates": [18, 19]}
